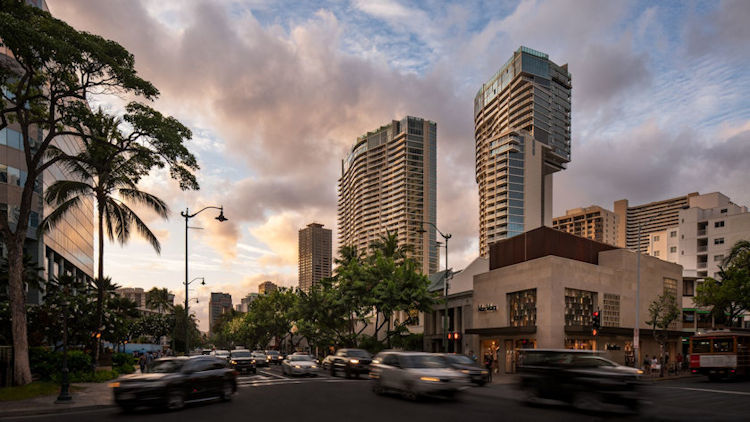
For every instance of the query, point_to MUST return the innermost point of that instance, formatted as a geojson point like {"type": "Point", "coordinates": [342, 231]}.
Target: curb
{"type": "Point", "coordinates": [46, 411]}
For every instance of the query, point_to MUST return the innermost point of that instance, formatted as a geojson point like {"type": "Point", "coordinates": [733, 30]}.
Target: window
{"type": "Point", "coordinates": [719, 241]}
{"type": "Point", "coordinates": [656, 253]}
{"type": "Point", "coordinates": [656, 238]}
{"type": "Point", "coordinates": [719, 224]}
{"type": "Point", "coordinates": [611, 311]}
{"type": "Point", "coordinates": [723, 210]}
{"type": "Point", "coordinates": [670, 286]}
{"type": "Point", "coordinates": [579, 305]}
{"type": "Point", "coordinates": [522, 308]}
{"type": "Point", "coordinates": [688, 316]}
{"type": "Point", "coordinates": [718, 258]}
{"type": "Point", "coordinates": [688, 287]}
{"type": "Point", "coordinates": [673, 249]}
{"type": "Point", "coordinates": [673, 234]}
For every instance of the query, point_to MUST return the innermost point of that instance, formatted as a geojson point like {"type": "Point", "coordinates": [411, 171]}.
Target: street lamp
{"type": "Point", "coordinates": [187, 315]}
{"type": "Point", "coordinates": [186, 214]}
{"type": "Point", "coordinates": [445, 281]}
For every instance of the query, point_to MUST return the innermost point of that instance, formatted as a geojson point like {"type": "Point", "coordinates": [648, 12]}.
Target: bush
{"type": "Point", "coordinates": [100, 375]}
{"type": "Point", "coordinates": [44, 362]}
{"type": "Point", "coordinates": [123, 363]}
{"type": "Point", "coordinates": [78, 361]}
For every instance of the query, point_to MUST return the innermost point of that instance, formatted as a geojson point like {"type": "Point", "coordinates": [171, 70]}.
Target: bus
{"type": "Point", "coordinates": [720, 354]}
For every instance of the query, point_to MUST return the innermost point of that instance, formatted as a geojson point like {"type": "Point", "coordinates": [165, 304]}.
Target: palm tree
{"type": "Point", "coordinates": [159, 299]}
{"type": "Point", "coordinates": [108, 168]}
{"type": "Point", "coordinates": [739, 255]}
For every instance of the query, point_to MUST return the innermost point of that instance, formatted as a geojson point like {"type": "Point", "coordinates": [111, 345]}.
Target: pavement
{"type": "Point", "coordinates": [86, 396]}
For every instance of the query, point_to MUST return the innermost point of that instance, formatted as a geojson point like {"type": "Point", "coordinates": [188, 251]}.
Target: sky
{"type": "Point", "coordinates": [276, 92]}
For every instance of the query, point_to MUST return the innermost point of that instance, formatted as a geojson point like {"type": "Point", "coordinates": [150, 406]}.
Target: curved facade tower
{"type": "Point", "coordinates": [522, 137]}
{"type": "Point", "coordinates": [388, 182]}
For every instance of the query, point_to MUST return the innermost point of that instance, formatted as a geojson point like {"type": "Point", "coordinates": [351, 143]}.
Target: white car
{"type": "Point", "coordinates": [299, 365]}
{"type": "Point", "coordinates": [415, 374]}
{"type": "Point", "coordinates": [260, 359]}
{"type": "Point", "coordinates": [223, 354]}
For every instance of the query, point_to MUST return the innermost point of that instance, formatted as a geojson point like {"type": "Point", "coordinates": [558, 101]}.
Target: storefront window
{"type": "Point", "coordinates": [579, 305]}
{"type": "Point", "coordinates": [522, 308]}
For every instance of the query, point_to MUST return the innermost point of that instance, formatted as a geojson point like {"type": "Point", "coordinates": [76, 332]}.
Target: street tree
{"type": "Point", "coordinates": [663, 312]}
{"type": "Point", "coordinates": [159, 299]}
{"type": "Point", "coordinates": [47, 77]}
{"type": "Point", "coordinates": [728, 295]}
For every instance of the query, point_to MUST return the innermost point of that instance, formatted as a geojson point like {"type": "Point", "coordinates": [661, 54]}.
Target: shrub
{"type": "Point", "coordinates": [44, 362]}
{"type": "Point", "coordinates": [78, 361]}
{"type": "Point", "coordinates": [123, 363]}
{"type": "Point", "coordinates": [100, 375]}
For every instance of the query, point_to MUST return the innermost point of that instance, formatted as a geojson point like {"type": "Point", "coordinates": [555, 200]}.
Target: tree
{"type": "Point", "coordinates": [729, 295]}
{"type": "Point", "coordinates": [159, 299]}
{"type": "Point", "coordinates": [46, 80]}
{"type": "Point", "coordinates": [663, 311]}
{"type": "Point", "coordinates": [178, 331]}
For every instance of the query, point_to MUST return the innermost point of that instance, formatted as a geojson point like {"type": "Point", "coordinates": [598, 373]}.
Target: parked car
{"type": "Point", "coordinates": [578, 377]}
{"type": "Point", "coordinates": [415, 374]}
{"type": "Point", "coordinates": [273, 356]}
{"type": "Point", "coordinates": [467, 366]}
{"type": "Point", "coordinates": [242, 361]}
{"type": "Point", "coordinates": [259, 357]}
{"type": "Point", "coordinates": [173, 382]}
{"type": "Point", "coordinates": [351, 361]}
{"type": "Point", "coordinates": [222, 354]}
{"type": "Point", "coordinates": [299, 365]}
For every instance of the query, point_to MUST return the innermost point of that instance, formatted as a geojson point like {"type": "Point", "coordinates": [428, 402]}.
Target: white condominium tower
{"type": "Point", "coordinates": [522, 135]}
{"type": "Point", "coordinates": [388, 182]}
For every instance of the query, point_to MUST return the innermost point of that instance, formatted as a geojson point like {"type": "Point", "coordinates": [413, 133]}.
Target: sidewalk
{"type": "Point", "coordinates": [86, 396]}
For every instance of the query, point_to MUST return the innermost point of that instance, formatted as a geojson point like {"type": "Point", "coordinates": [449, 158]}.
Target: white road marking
{"type": "Point", "coordinates": [739, 393]}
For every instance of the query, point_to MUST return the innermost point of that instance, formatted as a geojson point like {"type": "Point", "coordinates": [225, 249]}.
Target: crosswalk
{"type": "Point", "coordinates": [266, 378]}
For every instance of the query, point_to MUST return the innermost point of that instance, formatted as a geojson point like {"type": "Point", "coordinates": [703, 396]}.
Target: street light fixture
{"type": "Point", "coordinates": [445, 280]}
{"type": "Point", "coordinates": [186, 214]}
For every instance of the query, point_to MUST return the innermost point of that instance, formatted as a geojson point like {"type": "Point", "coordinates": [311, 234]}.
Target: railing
{"type": "Point", "coordinates": [702, 232]}
{"type": "Point", "coordinates": [702, 265]}
{"type": "Point", "coordinates": [702, 248]}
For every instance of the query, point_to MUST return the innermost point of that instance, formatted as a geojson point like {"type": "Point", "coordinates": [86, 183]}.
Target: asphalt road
{"type": "Point", "coordinates": [270, 396]}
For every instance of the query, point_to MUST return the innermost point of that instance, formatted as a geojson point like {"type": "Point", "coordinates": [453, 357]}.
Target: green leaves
{"type": "Point", "coordinates": [729, 295]}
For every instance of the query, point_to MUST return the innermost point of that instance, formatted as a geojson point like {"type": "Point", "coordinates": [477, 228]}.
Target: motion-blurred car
{"type": "Point", "coordinates": [299, 365]}
{"type": "Point", "coordinates": [273, 356]}
{"type": "Point", "coordinates": [173, 382]}
{"type": "Point", "coordinates": [415, 374]}
{"type": "Point", "coordinates": [326, 363]}
{"type": "Point", "coordinates": [260, 358]}
{"type": "Point", "coordinates": [242, 361]}
{"type": "Point", "coordinates": [222, 354]}
{"type": "Point", "coordinates": [467, 366]}
{"type": "Point", "coordinates": [351, 361]}
{"type": "Point", "coordinates": [578, 377]}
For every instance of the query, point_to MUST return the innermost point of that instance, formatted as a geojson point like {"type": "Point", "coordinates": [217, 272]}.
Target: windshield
{"type": "Point", "coordinates": [702, 345]}
{"type": "Point", "coordinates": [297, 358]}
{"type": "Point", "coordinates": [358, 353]}
{"type": "Point", "coordinates": [244, 354]}
{"type": "Point", "coordinates": [592, 361]}
{"type": "Point", "coordinates": [462, 359]}
{"type": "Point", "coordinates": [222, 353]}
{"type": "Point", "coordinates": [273, 352]}
{"type": "Point", "coordinates": [166, 366]}
{"type": "Point", "coordinates": [423, 361]}
{"type": "Point", "coordinates": [258, 355]}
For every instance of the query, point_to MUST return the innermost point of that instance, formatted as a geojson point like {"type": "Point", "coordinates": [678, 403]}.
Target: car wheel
{"type": "Point", "coordinates": [333, 370]}
{"type": "Point", "coordinates": [347, 372]}
{"type": "Point", "coordinates": [409, 395]}
{"type": "Point", "coordinates": [226, 391]}
{"type": "Point", "coordinates": [588, 401]}
{"type": "Point", "coordinates": [175, 399]}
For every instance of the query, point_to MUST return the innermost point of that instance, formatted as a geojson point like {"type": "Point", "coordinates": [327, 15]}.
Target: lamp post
{"type": "Point", "coordinates": [65, 396]}
{"type": "Point", "coordinates": [186, 214]}
{"type": "Point", "coordinates": [445, 282]}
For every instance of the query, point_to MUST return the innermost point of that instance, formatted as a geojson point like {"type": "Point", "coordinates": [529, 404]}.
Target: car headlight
{"type": "Point", "coordinates": [114, 384]}
{"type": "Point", "coordinates": [253, 361]}
{"type": "Point", "coordinates": [314, 366]}
{"type": "Point", "coordinates": [375, 361]}
{"type": "Point", "coordinates": [268, 357]}
{"type": "Point", "coordinates": [639, 372]}
{"type": "Point", "coordinates": [234, 362]}
{"type": "Point", "coordinates": [431, 379]}
{"type": "Point", "coordinates": [297, 366]}
{"type": "Point", "coordinates": [484, 372]}
{"type": "Point", "coordinates": [354, 361]}
{"type": "Point", "coordinates": [464, 371]}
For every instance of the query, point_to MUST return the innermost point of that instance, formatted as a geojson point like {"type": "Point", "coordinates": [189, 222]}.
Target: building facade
{"type": "Point", "coordinates": [245, 302]}
{"type": "Point", "coordinates": [543, 286]}
{"type": "Point", "coordinates": [217, 305]}
{"type": "Point", "coordinates": [522, 137]}
{"type": "Point", "coordinates": [651, 217]}
{"type": "Point", "coordinates": [388, 184]}
{"type": "Point", "coordinates": [592, 222]}
{"type": "Point", "coordinates": [315, 255]}
{"type": "Point", "coordinates": [267, 287]}
{"type": "Point", "coordinates": [66, 249]}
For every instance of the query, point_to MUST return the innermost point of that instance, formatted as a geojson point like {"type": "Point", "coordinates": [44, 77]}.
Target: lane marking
{"type": "Point", "coordinates": [273, 375]}
{"type": "Point", "coordinates": [739, 393]}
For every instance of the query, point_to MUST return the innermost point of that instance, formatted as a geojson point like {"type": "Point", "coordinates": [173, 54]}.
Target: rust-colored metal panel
{"type": "Point", "coordinates": [542, 242]}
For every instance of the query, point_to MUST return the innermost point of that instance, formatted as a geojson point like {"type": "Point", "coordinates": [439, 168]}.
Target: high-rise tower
{"type": "Point", "coordinates": [388, 183]}
{"type": "Point", "coordinates": [314, 255]}
{"type": "Point", "coordinates": [522, 136]}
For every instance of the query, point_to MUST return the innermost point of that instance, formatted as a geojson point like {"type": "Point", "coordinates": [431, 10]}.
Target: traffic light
{"type": "Point", "coordinates": [595, 323]}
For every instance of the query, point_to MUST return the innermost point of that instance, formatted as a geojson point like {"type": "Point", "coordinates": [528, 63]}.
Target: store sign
{"type": "Point", "coordinates": [489, 307]}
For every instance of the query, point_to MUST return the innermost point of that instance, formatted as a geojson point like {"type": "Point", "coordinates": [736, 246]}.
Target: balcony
{"type": "Point", "coordinates": [702, 265]}
{"type": "Point", "coordinates": [702, 232]}
{"type": "Point", "coordinates": [702, 248]}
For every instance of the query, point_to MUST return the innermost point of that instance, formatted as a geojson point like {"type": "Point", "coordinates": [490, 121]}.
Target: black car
{"type": "Point", "coordinates": [242, 361]}
{"type": "Point", "coordinates": [273, 356]}
{"type": "Point", "coordinates": [351, 361]}
{"type": "Point", "coordinates": [581, 378]}
{"type": "Point", "coordinates": [466, 365]}
{"type": "Point", "coordinates": [173, 382]}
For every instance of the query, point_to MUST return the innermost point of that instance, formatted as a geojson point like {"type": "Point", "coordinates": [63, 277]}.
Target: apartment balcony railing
{"type": "Point", "coordinates": [702, 248]}
{"type": "Point", "coordinates": [702, 232]}
{"type": "Point", "coordinates": [702, 265]}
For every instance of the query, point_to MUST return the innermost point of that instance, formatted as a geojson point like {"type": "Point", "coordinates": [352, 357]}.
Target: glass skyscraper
{"type": "Point", "coordinates": [522, 137]}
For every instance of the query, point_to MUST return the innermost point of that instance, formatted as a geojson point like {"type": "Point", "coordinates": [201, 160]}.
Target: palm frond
{"type": "Point", "coordinates": [142, 228]}
{"type": "Point", "coordinates": [58, 214]}
{"type": "Point", "coordinates": [62, 190]}
{"type": "Point", "coordinates": [152, 201]}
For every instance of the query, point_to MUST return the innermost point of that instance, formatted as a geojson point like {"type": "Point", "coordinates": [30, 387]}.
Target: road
{"type": "Point", "coordinates": [270, 396]}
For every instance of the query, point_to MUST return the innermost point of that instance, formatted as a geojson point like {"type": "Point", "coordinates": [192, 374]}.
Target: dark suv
{"type": "Point", "coordinates": [581, 378]}
{"type": "Point", "coordinates": [242, 361]}
{"type": "Point", "coordinates": [351, 361]}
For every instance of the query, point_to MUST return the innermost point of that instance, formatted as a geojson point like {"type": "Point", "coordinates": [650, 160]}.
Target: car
{"type": "Point", "coordinates": [222, 354]}
{"type": "Point", "coordinates": [242, 361]}
{"type": "Point", "coordinates": [352, 362]}
{"type": "Point", "coordinates": [416, 374]}
{"type": "Point", "coordinates": [326, 363]}
{"type": "Point", "coordinates": [580, 378]}
{"type": "Point", "coordinates": [299, 365]}
{"type": "Point", "coordinates": [467, 366]}
{"type": "Point", "coordinates": [273, 356]}
{"type": "Point", "coordinates": [173, 382]}
{"type": "Point", "coordinates": [260, 358]}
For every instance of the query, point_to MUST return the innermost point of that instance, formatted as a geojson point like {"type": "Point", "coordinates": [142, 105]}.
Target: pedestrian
{"type": "Point", "coordinates": [472, 355]}
{"type": "Point", "coordinates": [646, 363]}
{"type": "Point", "coordinates": [142, 363]}
{"type": "Point", "coordinates": [679, 362]}
{"type": "Point", "coordinates": [488, 365]}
